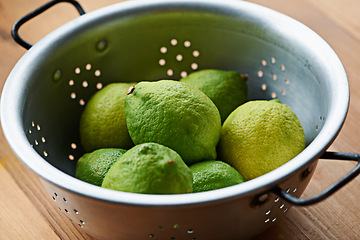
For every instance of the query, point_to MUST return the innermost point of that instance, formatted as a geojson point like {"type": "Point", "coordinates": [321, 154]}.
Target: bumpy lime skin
{"type": "Point", "coordinates": [213, 174]}
{"type": "Point", "coordinates": [172, 114]}
{"type": "Point", "coordinates": [103, 123]}
{"type": "Point", "coordinates": [227, 89]}
{"type": "Point", "coordinates": [150, 168]}
{"type": "Point", "coordinates": [92, 167]}
{"type": "Point", "coordinates": [260, 136]}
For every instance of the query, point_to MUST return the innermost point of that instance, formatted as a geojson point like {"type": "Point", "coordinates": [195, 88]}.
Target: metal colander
{"type": "Point", "coordinates": [48, 88]}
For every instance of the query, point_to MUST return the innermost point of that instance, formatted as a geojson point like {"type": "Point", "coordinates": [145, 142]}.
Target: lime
{"type": "Point", "coordinates": [227, 89]}
{"type": "Point", "coordinates": [212, 175]}
{"type": "Point", "coordinates": [260, 136]}
{"type": "Point", "coordinates": [92, 167]}
{"type": "Point", "coordinates": [172, 114]}
{"type": "Point", "coordinates": [149, 168]}
{"type": "Point", "coordinates": [103, 123]}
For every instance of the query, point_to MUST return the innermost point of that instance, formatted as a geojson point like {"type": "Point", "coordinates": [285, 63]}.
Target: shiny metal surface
{"type": "Point", "coordinates": [140, 40]}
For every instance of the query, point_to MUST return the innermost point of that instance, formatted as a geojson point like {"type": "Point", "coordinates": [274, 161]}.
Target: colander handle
{"type": "Point", "coordinates": [331, 189]}
{"type": "Point", "coordinates": [21, 21]}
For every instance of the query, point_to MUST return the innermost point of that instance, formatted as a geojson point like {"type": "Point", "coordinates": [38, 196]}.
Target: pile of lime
{"type": "Point", "coordinates": [193, 135]}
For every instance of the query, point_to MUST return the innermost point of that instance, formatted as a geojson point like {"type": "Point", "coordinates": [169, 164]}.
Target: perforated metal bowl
{"type": "Point", "coordinates": [48, 88]}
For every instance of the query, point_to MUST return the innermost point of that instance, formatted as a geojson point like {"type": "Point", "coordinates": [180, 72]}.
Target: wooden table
{"type": "Point", "coordinates": [27, 213]}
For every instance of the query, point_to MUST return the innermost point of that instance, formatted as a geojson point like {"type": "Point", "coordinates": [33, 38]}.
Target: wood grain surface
{"type": "Point", "coordinates": [28, 213]}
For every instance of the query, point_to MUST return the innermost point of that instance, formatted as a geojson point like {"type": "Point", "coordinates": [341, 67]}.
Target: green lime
{"type": "Point", "coordinates": [212, 175]}
{"type": "Point", "coordinates": [227, 89]}
{"type": "Point", "coordinates": [260, 136]}
{"type": "Point", "coordinates": [103, 123]}
{"type": "Point", "coordinates": [92, 167]}
{"type": "Point", "coordinates": [172, 114]}
{"type": "Point", "coordinates": [149, 168]}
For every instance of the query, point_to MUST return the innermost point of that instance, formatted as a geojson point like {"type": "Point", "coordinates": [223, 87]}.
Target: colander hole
{"type": "Point", "coordinates": [65, 200]}
{"type": "Point", "coordinates": [260, 73]}
{"type": "Point", "coordinates": [76, 211]}
{"type": "Point", "coordinates": [71, 82]}
{"type": "Point", "coordinates": [77, 70]}
{"type": "Point", "coordinates": [73, 146]}
{"type": "Point", "coordinates": [317, 127]}
{"type": "Point", "coordinates": [170, 72]}
{"type": "Point", "coordinates": [97, 73]}
{"type": "Point", "coordinates": [56, 195]}
{"type": "Point", "coordinates": [277, 199]}
{"type": "Point", "coordinates": [287, 80]}
{"type": "Point", "coordinates": [38, 127]}
{"type": "Point", "coordinates": [273, 95]}
{"type": "Point", "coordinates": [274, 77]}
{"type": "Point", "coordinates": [274, 219]}
{"type": "Point", "coordinates": [53, 198]}
{"type": "Point", "coordinates": [172, 238]}
{"type": "Point", "coordinates": [187, 43]}
{"type": "Point", "coordinates": [179, 57]}
{"type": "Point", "coordinates": [306, 173]}
{"type": "Point", "coordinates": [173, 42]}
{"type": "Point", "coordinates": [73, 95]}
{"type": "Point", "coordinates": [190, 231]}
{"type": "Point", "coordinates": [263, 197]}
{"type": "Point", "coordinates": [288, 190]}
{"type": "Point", "coordinates": [85, 84]}
{"type": "Point", "coordinates": [295, 189]}
{"type": "Point", "coordinates": [183, 74]}
{"type": "Point", "coordinates": [33, 124]}
{"type": "Point", "coordinates": [57, 75]}
{"type": "Point", "coordinates": [194, 66]}
{"type": "Point", "coordinates": [283, 92]}
{"type": "Point", "coordinates": [67, 211]}
{"type": "Point", "coordinates": [43, 139]}
{"type": "Point", "coordinates": [268, 212]}
{"type": "Point", "coordinates": [101, 45]}
{"type": "Point", "coordinates": [267, 220]}
{"type": "Point", "coordinates": [286, 209]}
{"type": "Point", "coordinates": [282, 206]}
{"type": "Point", "coordinates": [162, 62]}
{"type": "Point", "coordinates": [30, 131]}
{"type": "Point", "coordinates": [176, 225]}
{"type": "Point", "coordinates": [263, 62]}
{"type": "Point", "coordinates": [196, 53]}
{"type": "Point", "coordinates": [99, 86]}
{"type": "Point", "coordinates": [163, 50]}
{"type": "Point", "coordinates": [71, 157]}
{"type": "Point", "coordinates": [82, 222]}
{"type": "Point", "coordinates": [263, 86]}
{"type": "Point", "coordinates": [82, 102]}
{"type": "Point", "coordinates": [151, 235]}
{"type": "Point", "coordinates": [273, 60]}
{"type": "Point", "coordinates": [80, 225]}
{"type": "Point", "coordinates": [282, 67]}
{"type": "Point", "coordinates": [88, 66]}
{"type": "Point", "coordinates": [45, 154]}
{"type": "Point", "coordinates": [36, 142]}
